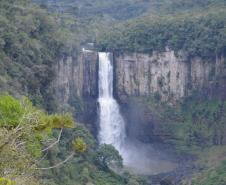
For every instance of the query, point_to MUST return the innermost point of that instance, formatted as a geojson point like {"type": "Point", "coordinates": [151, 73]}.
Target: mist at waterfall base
{"type": "Point", "coordinates": [138, 157]}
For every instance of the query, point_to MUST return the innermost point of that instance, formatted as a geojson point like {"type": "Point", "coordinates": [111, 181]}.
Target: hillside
{"type": "Point", "coordinates": [30, 42]}
{"type": "Point", "coordinates": [123, 10]}
{"type": "Point", "coordinates": [149, 25]}
{"type": "Point", "coordinates": [198, 32]}
{"type": "Point", "coordinates": [116, 9]}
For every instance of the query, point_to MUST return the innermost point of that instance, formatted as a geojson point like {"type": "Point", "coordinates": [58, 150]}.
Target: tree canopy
{"type": "Point", "coordinates": [199, 31]}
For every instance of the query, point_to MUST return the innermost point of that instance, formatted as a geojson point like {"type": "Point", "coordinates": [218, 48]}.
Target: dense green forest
{"type": "Point", "coordinates": [30, 42]}
{"type": "Point", "coordinates": [116, 9]}
{"type": "Point", "coordinates": [194, 26]}
{"type": "Point", "coordinates": [198, 32]}
{"type": "Point", "coordinates": [197, 128]}
{"type": "Point", "coordinates": [124, 10]}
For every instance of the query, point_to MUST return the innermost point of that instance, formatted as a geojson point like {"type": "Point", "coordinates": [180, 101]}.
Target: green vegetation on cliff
{"type": "Point", "coordinates": [196, 26]}
{"type": "Point", "coordinates": [198, 32]}
{"type": "Point", "coordinates": [196, 127]}
{"type": "Point", "coordinates": [212, 161]}
{"type": "Point", "coordinates": [195, 123]}
{"type": "Point", "coordinates": [212, 176]}
{"type": "Point", "coordinates": [31, 40]}
{"type": "Point", "coordinates": [37, 148]}
{"type": "Point", "coordinates": [23, 130]}
{"type": "Point", "coordinates": [114, 9]}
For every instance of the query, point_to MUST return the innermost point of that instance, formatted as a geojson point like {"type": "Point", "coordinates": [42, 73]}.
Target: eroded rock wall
{"type": "Point", "coordinates": [167, 75]}
{"type": "Point", "coordinates": [76, 75]}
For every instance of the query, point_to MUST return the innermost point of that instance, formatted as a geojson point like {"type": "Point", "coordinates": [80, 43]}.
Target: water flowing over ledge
{"type": "Point", "coordinates": [112, 126]}
{"type": "Point", "coordinates": [138, 157]}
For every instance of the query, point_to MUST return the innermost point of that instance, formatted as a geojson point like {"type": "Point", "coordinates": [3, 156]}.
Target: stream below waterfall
{"type": "Point", "coordinates": [139, 158]}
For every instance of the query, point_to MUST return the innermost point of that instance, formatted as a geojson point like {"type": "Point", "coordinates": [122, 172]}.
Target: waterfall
{"type": "Point", "coordinates": [112, 126]}
{"type": "Point", "coordinates": [136, 155]}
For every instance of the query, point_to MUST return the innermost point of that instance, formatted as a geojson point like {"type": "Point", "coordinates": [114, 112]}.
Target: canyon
{"type": "Point", "coordinates": [128, 92]}
{"type": "Point", "coordinates": [168, 77]}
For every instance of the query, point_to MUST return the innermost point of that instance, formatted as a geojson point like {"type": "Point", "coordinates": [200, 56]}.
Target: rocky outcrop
{"type": "Point", "coordinates": [76, 85]}
{"type": "Point", "coordinates": [166, 75]}
{"type": "Point", "coordinates": [76, 76]}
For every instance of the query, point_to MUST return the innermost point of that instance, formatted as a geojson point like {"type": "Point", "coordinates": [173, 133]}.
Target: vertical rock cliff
{"type": "Point", "coordinates": [166, 75]}
{"type": "Point", "coordinates": [76, 76]}
{"type": "Point", "coordinates": [76, 85]}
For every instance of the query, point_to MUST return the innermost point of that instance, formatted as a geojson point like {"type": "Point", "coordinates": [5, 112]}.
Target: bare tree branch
{"type": "Point", "coordinates": [21, 143]}
{"type": "Point", "coordinates": [56, 142]}
{"type": "Point", "coordinates": [59, 164]}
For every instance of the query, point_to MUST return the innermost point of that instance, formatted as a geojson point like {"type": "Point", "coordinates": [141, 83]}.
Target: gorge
{"type": "Point", "coordinates": [165, 76]}
{"type": "Point", "coordinates": [168, 77]}
{"type": "Point", "coordinates": [120, 92]}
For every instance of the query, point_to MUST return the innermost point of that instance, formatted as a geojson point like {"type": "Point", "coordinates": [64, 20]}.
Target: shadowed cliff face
{"type": "Point", "coordinates": [76, 85]}
{"type": "Point", "coordinates": [77, 76]}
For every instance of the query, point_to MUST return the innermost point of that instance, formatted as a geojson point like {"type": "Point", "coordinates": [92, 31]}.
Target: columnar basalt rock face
{"type": "Point", "coordinates": [167, 75]}
{"type": "Point", "coordinates": [76, 76]}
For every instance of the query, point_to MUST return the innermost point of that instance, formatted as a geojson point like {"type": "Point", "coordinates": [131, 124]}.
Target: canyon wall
{"type": "Point", "coordinates": [76, 76]}
{"type": "Point", "coordinates": [76, 86]}
{"type": "Point", "coordinates": [166, 75]}
{"type": "Point", "coordinates": [146, 84]}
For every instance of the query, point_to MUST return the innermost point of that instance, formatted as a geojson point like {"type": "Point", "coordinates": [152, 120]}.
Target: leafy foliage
{"type": "Point", "coordinates": [10, 111]}
{"type": "Point", "coordinates": [212, 176]}
{"type": "Point", "coordinates": [193, 123]}
{"type": "Point", "coordinates": [107, 156]}
{"type": "Point", "coordinates": [197, 32]}
{"type": "Point", "coordinates": [114, 9]}
{"type": "Point", "coordinates": [4, 181]}
{"type": "Point", "coordinates": [79, 145]}
{"type": "Point", "coordinates": [84, 168]}
{"type": "Point", "coordinates": [195, 126]}
{"type": "Point", "coordinates": [204, 123]}
{"type": "Point", "coordinates": [21, 143]}
{"type": "Point", "coordinates": [55, 121]}
{"type": "Point", "coordinates": [31, 40]}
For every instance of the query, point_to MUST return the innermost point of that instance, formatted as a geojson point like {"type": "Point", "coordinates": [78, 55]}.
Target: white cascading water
{"type": "Point", "coordinates": [112, 126]}
{"type": "Point", "coordinates": [137, 157]}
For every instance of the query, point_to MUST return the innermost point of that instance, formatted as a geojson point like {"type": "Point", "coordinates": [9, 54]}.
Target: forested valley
{"type": "Point", "coordinates": [79, 77]}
